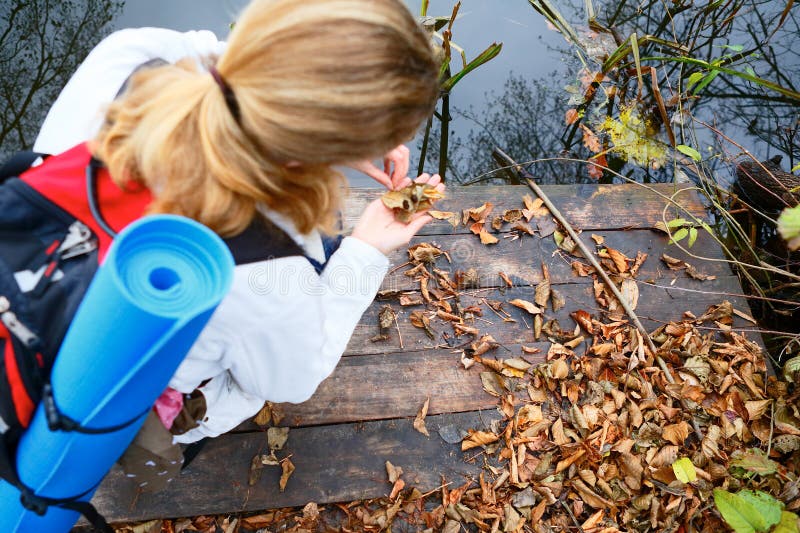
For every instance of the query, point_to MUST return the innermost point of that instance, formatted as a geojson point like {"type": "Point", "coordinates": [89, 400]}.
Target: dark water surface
{"type": "Point", "coordinates": [517, 101]}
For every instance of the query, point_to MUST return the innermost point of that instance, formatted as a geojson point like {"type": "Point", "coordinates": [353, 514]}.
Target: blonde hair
{"type": "Point", "coordinates": [318, 82]}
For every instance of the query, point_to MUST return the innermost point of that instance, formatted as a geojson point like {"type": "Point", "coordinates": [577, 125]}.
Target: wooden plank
{"type": "Point", "coordinates": [656, 306]}
{"type": "Point", "coordinates": [376, 387]}
{"type": "Point", "coordinates": [521, 259]}
{"type": "Point", "coordinates": [586, 206]}
{"type": "Point", "coordinates": [333, 464]}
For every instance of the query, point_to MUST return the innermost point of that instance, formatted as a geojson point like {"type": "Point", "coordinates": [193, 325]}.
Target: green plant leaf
{"type": "Point", "coordinates": [688, 150]}
{"type": "Point", "coordinates": [684, 470]}
{"type": "Point", "coordinates": [768, 509]}
{"type": "Point", "coordinates": [788, 523]}
{"type": "Point", "coordinates": [677, 223]}
{"type": "Point", "coordinates": [734, 47]}
{"type": "Point", "coordinates": [796, 167]}
{"type": "Point", "coordinates": [484, 57]}
{"type": "Point", "coordinates": [692, 237]}
{"type": "Point", "coordinates": [708, 78]}
{"type": "Point", "coordinates": [789, 226]}
{"type": "Point", "coordinates": [730, 506]}
{"type": "Point", "coordinates": [678, 235]}
{"type": "Point", "coordinates": [693, 78]}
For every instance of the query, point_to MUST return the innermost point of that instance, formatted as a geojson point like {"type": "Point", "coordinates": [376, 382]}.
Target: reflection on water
{"type": "Point", "coordinates": [517, 101]}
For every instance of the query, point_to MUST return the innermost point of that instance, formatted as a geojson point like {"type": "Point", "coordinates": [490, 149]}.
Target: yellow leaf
{"type": "Point", "coordinates": [478, 438]}
{"type": "Point", "coordinates": [684, 470]}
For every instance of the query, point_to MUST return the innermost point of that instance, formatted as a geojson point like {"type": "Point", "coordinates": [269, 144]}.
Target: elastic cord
{"type": "Point", "coordinates": [227, 92]}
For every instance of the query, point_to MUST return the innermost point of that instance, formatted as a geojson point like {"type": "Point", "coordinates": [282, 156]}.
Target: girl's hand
{"type": "Point", "coordinates": [395, 168]}
{"type": "Point", "coordinates": [379, 228]}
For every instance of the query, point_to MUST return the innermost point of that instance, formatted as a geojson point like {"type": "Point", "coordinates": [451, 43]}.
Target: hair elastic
{"type": "Point", "coordinates": [227, 92]}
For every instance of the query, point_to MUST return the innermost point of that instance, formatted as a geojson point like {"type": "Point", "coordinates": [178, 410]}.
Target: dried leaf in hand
{"type": "Point", "coordinates": [419, 421]}
{"type": "Point", "coordinates": [449, 216]}
{"type": "Point", "coordinates": [478, 438]}
{"type": "Point", "coordinates": [487, 238]}
{"type": "Point", "coordinates": [526, 305]}
{"type": "Point", "coordinates": [410, 200]}
{"type": "Point", "coordinates": [287, 467]}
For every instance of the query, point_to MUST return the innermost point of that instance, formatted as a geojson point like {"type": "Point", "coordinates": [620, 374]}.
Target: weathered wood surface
{"type": "Point", "coordinates": [586, 206]}
{"type": "Point", "coordinates": [361, 415]}
{"type": "Point", "coordinates": [333, 463]}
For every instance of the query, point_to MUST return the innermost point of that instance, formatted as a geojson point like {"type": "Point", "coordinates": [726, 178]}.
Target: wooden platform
{"type": "Point", "coordinates": [362, 415]}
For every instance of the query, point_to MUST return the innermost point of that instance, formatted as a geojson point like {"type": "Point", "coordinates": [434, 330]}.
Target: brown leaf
{"type": "Point", "coordinates": [410, 200]}
{"type": "Point", "coordinates": [287, 467]}
{"type": "Point", "coordinates": [590, 140]}
{"type": "Point", "coordinates": [394, 472]}
{"type": "Point", "coordinates": [449, 216]}
{"type": "Point", "coordinates": [523, 227]}
{"type": "Point", "coordinates": [542, 293]}
{"type": "Point", "coordinates": [630, 291]}
{"type": "Point", "coordinates": [487, 238]}
{"type": "Point", "coordinates": [497, 223]}
{"type": "Point", "coordinates": [386, 317]}
{"type": "Point", "coordinates": [419, 421]}
{"type": "Point", "coordinates": [277, 437]}
{"type": "Point", "coordinates": [506, 279]}
{"type": "Point", "coordinates": [584, 320]}
{"type": "Point", "coordinates": [406, 299]}
{"type": "Point", "coordinates": [424, 252]}
{"type": "Point", "coordinates": [526, 305]}
{"type": "Point", "coordinates": [557, 299]}
{"type": "Point", "coordinates": [255, 470]}
{"type": "Point", "coordinates": [570, 117]}
{"type": "Point", "coordinates": [478, 438]}
{"type": "Point", "coordinates": [264, 416]}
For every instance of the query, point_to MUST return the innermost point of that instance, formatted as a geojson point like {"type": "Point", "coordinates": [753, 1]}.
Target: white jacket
{"type": "Point", "coordinates": [282, 328]}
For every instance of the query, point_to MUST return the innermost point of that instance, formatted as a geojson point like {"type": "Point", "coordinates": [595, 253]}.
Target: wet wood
{"type": "Point", "coordinates": [336, 463]}
{"type": "Point", "coordinates": [522, 259]}
{"type": "Point", "coordinates": [361, 416]}
{"type": "Point", "coordinates": [657, 305]}
{"type": "Point", "coordinates": [586, 206]}
{"type": "Point", "coordinates": [376, 387]}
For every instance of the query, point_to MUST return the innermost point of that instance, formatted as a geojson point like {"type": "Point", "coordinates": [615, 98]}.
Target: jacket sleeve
{"type": "Point", "coordinates": [78, 112]}
{"type": "Point", "coordinates": [283, 328]}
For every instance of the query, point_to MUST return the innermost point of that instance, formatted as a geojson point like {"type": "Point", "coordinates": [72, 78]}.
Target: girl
{"type": "Point", "coordinates": [248, 137]}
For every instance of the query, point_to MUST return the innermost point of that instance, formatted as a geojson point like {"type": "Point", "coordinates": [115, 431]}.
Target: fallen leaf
{"type": "Point", "coordinates": [287, 467]}
{"type": "Point", "coordinates": [478, 438]}
{"type": "Point", "coordinates": [277, 437]}
{"type": "Point", "coordinates": [394, 472]}
{"type": "Point", "coordinates": [506, 279]}
{"type": "Point", "coordinates": [542, 294]}
{"type": "Point", "coordinates": [570, 117]}
{"type": "Point", "coordinates": [487, 238]}
{"type": "Point", "coordinates": [526, 305]}
{"type": "Point", "coordinates": [419, 421]}
{"type": "Point", "coordinates": [449, 216]}
{"type": "Point", "coordinates": [676, 433]}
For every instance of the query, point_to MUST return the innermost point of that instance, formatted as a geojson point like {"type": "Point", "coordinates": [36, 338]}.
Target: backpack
{"type": "Point", "coordinates": [57, 221]}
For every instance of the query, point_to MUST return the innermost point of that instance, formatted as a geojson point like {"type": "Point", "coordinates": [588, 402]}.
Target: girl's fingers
{"type": "Point", "coordinates": [435, 180]}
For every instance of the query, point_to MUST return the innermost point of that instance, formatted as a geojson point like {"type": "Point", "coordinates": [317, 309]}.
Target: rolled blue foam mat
{"type": "Point", "coordinates": [162, 279]}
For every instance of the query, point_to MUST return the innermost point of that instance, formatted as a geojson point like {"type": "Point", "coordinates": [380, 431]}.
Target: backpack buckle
{"type": "Point", "coordinates": [56, 421]}
{"type": "Point", "coordinates": [32, 502]}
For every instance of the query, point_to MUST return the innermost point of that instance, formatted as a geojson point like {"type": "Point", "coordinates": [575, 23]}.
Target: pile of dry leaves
{"type": "Point", "coordinates": [604, 435]}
